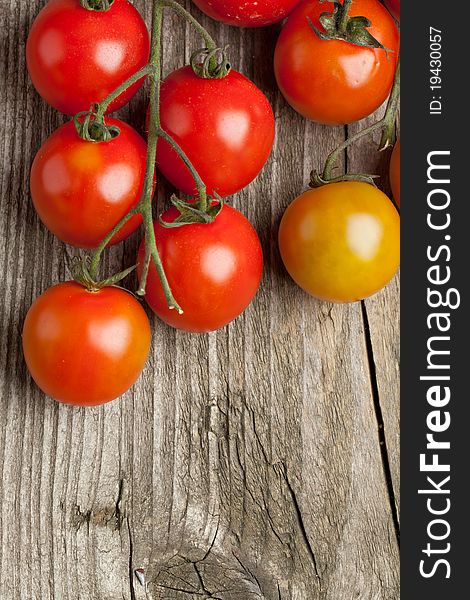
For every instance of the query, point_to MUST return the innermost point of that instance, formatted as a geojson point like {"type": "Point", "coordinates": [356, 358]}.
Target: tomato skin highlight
{"type": "Point", "coordinates": [247, 14]}
{"type": "Point", "coordinates": [225, 126]}
{"type": "Point", "coordinates": [395, 172]}
{"type": "Point", "coordinates": [334, 82]}
{"type": "Point", "coordinates": [82, 189]}
{"type": "Point", "coordinates": [341, 242]}
{"type": "Point", "coordinates": [214, 270]}
{"type": "Point", "coordinates": [76, 56]}
{"type": "Point", "coordinates": [85, 348]}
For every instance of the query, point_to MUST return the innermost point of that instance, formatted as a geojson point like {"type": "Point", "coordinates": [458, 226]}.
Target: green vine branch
{"type": "Point", "coordinates": [182, 12]}
{"type": "Point", "coordinates": [91, 126]}
{"type": "Point", "coordinates": [102, 106]}
{"type": "Point", "coordinates": [386, 124]}
{"type": "Point", "coordinates": [200, 186]}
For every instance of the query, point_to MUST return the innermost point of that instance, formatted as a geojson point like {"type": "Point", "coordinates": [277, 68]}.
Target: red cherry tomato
{"type": "Point", "coordinates": [225, 126]}
{"type": "Point", "coordinates": [395, 172]}
{"type": "Point", "coordinates": [335, 82]}
{"type": "Point", "coordinates": [77, 56]}
{"type": "Point", "coordinates": [82, 189]}
{"type": "Point", "coordinates": [341, 242]}
{"type": "Point", "coordinates": [85, 348]}
{"type": "Point", "coordinates": [254, 13]}
{"type": "Point", "coordinates": [394, 7]}
{"type": "Point", "coordinates": [213, 270]}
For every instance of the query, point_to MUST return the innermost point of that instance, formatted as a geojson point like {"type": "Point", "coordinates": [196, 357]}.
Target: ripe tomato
{"type": "Point", "coordinates": [76, 56]}
{"type": "Point", "coordinates": [335, 82]}
{"type": "Point", "coordinates": [340, 242]}
{"type": "Point", "coordinates": [225, 126]}
{"type": "Point", "coordinates": [82, 189]}
{"type": "Point", "coordinates": [214, 270]}
{"type": "Point", "coordinates": [247, 14]}
{"type": "Point", "coordinates": [395, 172]}
{"type": "Point", "coordinates": [85, 348]}
{"type": "Point", "coordinates": [394, 7]}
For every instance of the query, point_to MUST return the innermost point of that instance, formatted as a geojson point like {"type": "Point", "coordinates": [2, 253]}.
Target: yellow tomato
{"type": "Point", "coordinates": [341, 242]}
{"type": "Point", "coordinates": [395, 172]}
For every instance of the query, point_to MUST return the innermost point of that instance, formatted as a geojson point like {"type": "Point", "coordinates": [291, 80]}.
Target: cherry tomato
{"type": "Point", "coordinates": [214, 270]}
{"type": "Point", "coordinates": [394, 7]}
{"type": "Point", "coordinates": [247, 14]}
{"type": "Point", "coordinates": [340, 242]}
{"type": "Point", "coordinates": [82, 189]}
{"type": "Point", "coordinates": [335, 82]}
{"type": "Point", "coordinates": [395, 172]}
{"type": "Point", "coordinates": [85, 348]}
{"type": "Point", "coordinates": [77, 56]}
{"type": "Point", "coordinates": [225, 126]}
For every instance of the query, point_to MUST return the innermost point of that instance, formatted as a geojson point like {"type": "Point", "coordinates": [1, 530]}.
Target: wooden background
{"type": "Point", "coordinates": [258, 462]}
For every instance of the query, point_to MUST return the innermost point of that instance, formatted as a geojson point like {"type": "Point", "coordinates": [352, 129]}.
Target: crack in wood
{"type": "Point", "coordinates": [247, 570]}
{"type": "Point", "coordinates": [118, 515]}
{"type": "Point", "coordinates": [300, 521]}
{"type": "Point", "coordinates": [131, 557]}
{"type": "Point", "coordinates": [380, 424]}
{"type": "Point", "coordinates": [176, 589]}
{"type": "Point", "coordinates": [202, 584]}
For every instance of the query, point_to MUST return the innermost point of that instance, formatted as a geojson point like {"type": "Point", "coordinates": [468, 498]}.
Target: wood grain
{"type": "Point", "coordinates": [257, 462]}
{"type": "Point", "coordinates": [381, 316]}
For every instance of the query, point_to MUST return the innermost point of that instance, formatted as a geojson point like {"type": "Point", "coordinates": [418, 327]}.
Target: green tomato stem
{"type": "Point", "coordinates": [102, 107]}
{"type": "Point", "coordinates": [332, 158]}
{"type": "Point", "coordinates": [200, 186]}
{"type": "Point", "coordinates": [388, 133]}
{"type": "Point", "coordinates": [144, 206]}
{"type": "Point", "coordinates": [147, 69]}
{"type": "Point", "coordinates": [182, 12]}
{"type": "Point", "coordinates": [154, 127]}
{"type": "Point", "coordinates": [345, 16]}
{"type": "Point", "coordinates": [96, 256]}
{"type": "Point", "coordinates": [386, 124]}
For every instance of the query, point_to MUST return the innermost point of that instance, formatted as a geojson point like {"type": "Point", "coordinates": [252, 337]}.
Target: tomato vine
{"type": "Point", "coordinates": [386, 124]}
{"type": "Point", "coordinates": [339, 25]}
{"type": "Point", "coordinates": [209, 62]}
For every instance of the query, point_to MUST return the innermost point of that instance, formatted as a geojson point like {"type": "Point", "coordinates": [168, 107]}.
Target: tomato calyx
{"type": "Point", "coordinates": [81, 273]}
{"type": "Point", "coordinates": [92, 128]}
{"type": "Point", "coordinates": [193, 212]}
{"type": "Point", "coordinates": [97, 5]}
{"type": "Point", "coordinates": [338, 25]}
{"type": "Point", "coordinates": [317, 180]}
{"type": "Point", "coordinates": [210, 63]}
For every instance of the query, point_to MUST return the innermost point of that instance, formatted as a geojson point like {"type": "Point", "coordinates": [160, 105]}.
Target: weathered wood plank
{"type": "Point", "coordinates": [245, 464]}
{"type": "Point", "coordinates": [382, 315]}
